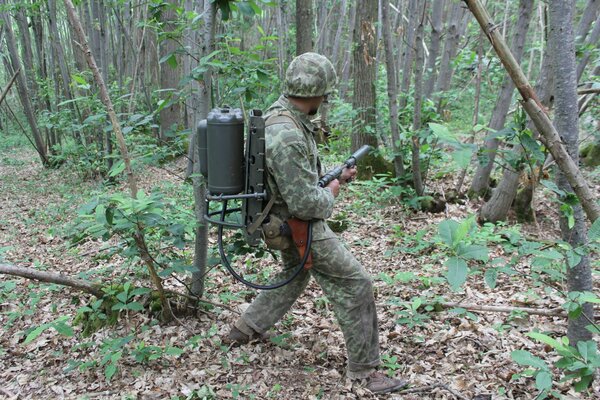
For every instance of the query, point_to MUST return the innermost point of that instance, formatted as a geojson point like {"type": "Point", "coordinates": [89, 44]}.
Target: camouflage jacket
{"type": "Point", "coordinates": [293, 169]}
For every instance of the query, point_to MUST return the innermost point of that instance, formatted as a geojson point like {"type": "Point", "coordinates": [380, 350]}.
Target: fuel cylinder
{"type": "Point", "coordinates": [225, 151]}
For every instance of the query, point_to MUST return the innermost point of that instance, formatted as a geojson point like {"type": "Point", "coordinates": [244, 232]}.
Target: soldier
{"type": "Point", "coordinates": [293, 170]}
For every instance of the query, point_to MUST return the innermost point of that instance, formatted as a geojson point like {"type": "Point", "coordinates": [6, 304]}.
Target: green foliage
{"type": "Point", "coordinates": [455, 239]}
{"type": "Point", "coordinates": [579, 363]}
{"type": "Point", "coordinates": [412, 314]}
{"type": "Point", "coordinates": [60, 325]}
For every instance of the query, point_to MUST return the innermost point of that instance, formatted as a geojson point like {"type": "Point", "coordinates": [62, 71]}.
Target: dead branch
{"type": "Point", "coordinates": [589, 91]}
{"type": "Point", "coordinates": [52, 277]}
{"type": "Point", "coordinates": [8, 85]}
{"type": "Point", "coordinates": [85, 286]}
{"type": "Point", "coordinates": [553, 312]}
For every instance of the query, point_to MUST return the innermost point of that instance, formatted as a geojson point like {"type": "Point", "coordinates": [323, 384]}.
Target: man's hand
{"type": "Point", "coordinates": [348, 175]}
{"type": "Point", "coordinates": [334, 186]}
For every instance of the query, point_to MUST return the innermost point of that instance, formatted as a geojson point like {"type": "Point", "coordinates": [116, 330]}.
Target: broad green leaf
{"type": "Point", "coordinates": [174, 351]}
{"type": "Point", "coordinates": [117, 168]}
{"type": "Point", "coordinates": [593, 328]}
{"type": "Point", "coordinates": [405, 276]}
{"type": "Point", "coordinates": [462, 156]}
{"type": "Point", "coordinates": [109, 371]}
{"type": "Point", "coordinates": [587, 349]}
{"type": "Point", "coordinates": [472, 252]}
{"type": "Point", "coordinates": [583, 383]}
{"type": "Point", "coordinates": [491, 276]}
{"type": "Point", "coordinates": [552, 186]}
{"type": "Point", "coordinates": [457, 272]}
{"type": "Point", "coordinates": [543, 380]}
{"type": "Point", "coordinates": [35, 333]}
{"type": "Point", "coordinates": [64, 329]}
{"type": "Point", "coordinates": [555, 344]}
{"type": "Point", "coordinates": [523, 357]}
{"type": "Point", "coordinates": [447, 231]}
{"type": "Point", "coordinates": [594, 232]}
{"type": "Point", "coordinates": [135, 306]}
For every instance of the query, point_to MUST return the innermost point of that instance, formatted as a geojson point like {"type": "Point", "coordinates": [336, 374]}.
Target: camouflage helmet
{"type": "Point", "coordinates": [309, 75]}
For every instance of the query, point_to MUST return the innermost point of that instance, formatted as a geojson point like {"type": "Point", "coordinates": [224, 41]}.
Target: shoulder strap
{"type": "Point", "coordinates": [282, 116]}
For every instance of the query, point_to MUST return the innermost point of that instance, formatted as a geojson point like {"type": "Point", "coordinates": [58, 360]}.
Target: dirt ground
{"type": "Point", "coordinates": [443, 354]}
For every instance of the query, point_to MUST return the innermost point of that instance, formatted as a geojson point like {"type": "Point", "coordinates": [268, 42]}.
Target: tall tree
{"type": "Point", "coordinates": [304, 26]}
{"type": "Point", "coordinates": [171, 115]}
{"type": "Point", "coordinates": [364, 56]}
{"type": "Point", "coordinates": [561, 42]}
{"type": "Point", "coordinates": [437, 12]}
{"type": "Point", "coordinates": [392, 88]}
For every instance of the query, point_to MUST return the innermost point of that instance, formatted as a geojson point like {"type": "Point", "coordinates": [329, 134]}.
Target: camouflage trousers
{"type": "Point", "coordinates": [347, 286]}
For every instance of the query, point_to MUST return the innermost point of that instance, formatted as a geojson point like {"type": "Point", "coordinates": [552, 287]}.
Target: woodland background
{"type": "Point", "coordinates": [485, 262]}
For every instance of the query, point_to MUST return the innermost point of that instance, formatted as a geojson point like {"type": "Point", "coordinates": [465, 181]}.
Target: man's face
{"type": "Point", "coordinates": [314, 106]}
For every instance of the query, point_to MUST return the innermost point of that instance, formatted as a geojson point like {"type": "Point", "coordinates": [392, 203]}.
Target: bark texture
{"type": "Point", "coordinates": [562, 49]}
{"type": "Point", "coordinates": [364, 75]}
{"type": "Point", "coordinates": [304, 25]}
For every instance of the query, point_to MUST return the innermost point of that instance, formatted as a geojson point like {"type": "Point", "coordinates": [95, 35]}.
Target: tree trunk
{"type": "Point", "coordinates": [170, 74]}
{"type": "Point", "coordinates": [22, 89]}
{"type": "Point", "coordinates": [592, 42]}
{"type": "Point", "coordinates": [364, 75]}
{"type": "Point", "coordinates": [304, 26]}
{"type": "Point", "coordinates": [335, 51]}
{"type": "Point", "coordinates": [392, 88]}
{"type": "Point", "coordinates": [199, 184]}
{"type": "Point", "coordinates": [481, 180]}
{"type": "Point", "coordinates": [590, 13]}
{"type": "Point", "coordinates": [562, 49]}
{"type": "Point", "coordinates": [453, 34]}
{"type": "Point", "coordinates": [434, 46]}
{"type": "Point", "coordinates": [408, 55]}
{"type": "Point", "coordinates": [347, 64]}
{"type": "Point", "coordinates": [497, 207]}
{"type": "Point", "coordinates": [417, 125]}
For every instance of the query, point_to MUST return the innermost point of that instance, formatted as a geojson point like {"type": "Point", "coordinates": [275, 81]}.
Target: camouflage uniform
{"type": "Point", "coordinates": [293, 172]}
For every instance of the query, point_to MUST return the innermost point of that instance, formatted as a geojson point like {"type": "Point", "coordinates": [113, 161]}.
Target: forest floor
{"type": "Point", "coordinates": [444, 354]}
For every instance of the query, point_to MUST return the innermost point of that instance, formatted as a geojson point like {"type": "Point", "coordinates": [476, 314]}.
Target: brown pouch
{"type": "Point", "coordinates": [272, 234]}
{"type": "Point", "coordinates": [299, 230]}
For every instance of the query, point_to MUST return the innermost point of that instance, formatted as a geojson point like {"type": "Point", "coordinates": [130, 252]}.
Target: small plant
{"type": "Point", "coordinates": [390, 363]}
{"type": "Point", "coordinates": [579, 364]}
{"type": "Point", "coordinates": [411, 315]}
{"type": "Point", "coordinates": [455, 239]}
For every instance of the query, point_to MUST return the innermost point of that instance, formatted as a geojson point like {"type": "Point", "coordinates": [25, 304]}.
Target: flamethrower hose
{"type": "Point", "coordinates": [237, 276]}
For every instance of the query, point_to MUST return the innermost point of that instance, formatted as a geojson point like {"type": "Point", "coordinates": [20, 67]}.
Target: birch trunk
{"type": "Point", "coordinates": [562, 49]}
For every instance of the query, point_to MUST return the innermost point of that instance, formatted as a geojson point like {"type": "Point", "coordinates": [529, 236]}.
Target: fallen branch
{"type": "Point", "coordinates": [553, 312]}
{"type": "Point", "coordinates": [589, 91]}
{"type": "Point", "coordinates": [52, 277]}
{"type": "Point", "coordinates": [85, 286]}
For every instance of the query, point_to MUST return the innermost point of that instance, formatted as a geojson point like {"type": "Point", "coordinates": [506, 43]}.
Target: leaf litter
{"type": "Point", "coordinates": [449, 355]}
